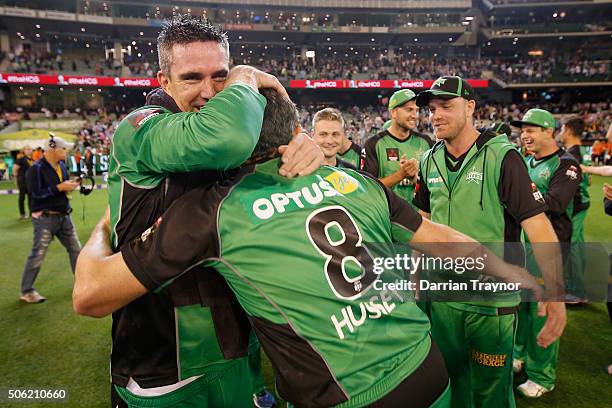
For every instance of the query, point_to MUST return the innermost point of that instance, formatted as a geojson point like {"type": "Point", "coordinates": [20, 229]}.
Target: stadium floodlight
{"type": "Point", "coordinates": [469, 18]}
{"type": "Point", "coordinates": [310, 54]}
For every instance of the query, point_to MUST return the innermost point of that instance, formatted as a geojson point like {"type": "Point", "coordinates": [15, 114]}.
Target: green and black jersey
{"type": "Point", "coordinates": [296, 253]}
{"type": "Point", "coordinates": [160, 339]}
{"type": "Point", "coordinates": [558, 177]}
{"type": "Point", "coordinates": [486, 194]}
{"type": "Point", "coordinates": [582, 200]}
{"type": "Point", "coordinates": [352, 156]}
{"type": "Point", "coordinates": [381, 156]}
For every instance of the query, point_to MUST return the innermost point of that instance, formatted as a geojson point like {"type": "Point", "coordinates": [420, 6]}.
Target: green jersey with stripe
{"type": "Point", "coordinates": [382, 154]}
{"type": "Point", "coordinates": [195, 323]}
{"type": "Point", "coordinates": [297, 254]}
{"type": "Point", "coordinates": [352, 156]}
{"type": "Point", "coordinates": [557, 176]}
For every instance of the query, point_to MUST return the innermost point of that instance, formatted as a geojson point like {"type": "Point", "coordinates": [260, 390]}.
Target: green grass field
{"type": "Point", "coordinates": [48, 345]}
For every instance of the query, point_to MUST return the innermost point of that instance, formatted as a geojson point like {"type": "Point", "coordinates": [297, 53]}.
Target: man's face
{"type": "Point", "coordinates": [535, 138]}
{"type": "Point", "coordinates": [328, 134]}
{"type": "Point", "coordinates": [27, 151]}
{"type": "Point", "coordinates": [449, 117]}
{"type": "Point", "coordinates": [406, 116]}
{"type": "Point", "coordinates": [59, 153]}
{"type": "Point", "coordinates": [197, 73]}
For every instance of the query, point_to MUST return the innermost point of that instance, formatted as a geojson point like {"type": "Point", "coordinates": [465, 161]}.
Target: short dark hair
{"type": "Point", "coordinates": [279, 122]}
{"type": "Point", "coordinates": [185, 29]}
{"type": "Point", "coordinates": [575, 125]}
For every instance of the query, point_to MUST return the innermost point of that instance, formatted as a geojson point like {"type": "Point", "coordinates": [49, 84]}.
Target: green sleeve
{"type": "Point", "coordinates": [221, 136]}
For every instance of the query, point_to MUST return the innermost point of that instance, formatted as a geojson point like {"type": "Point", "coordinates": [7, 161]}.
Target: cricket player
{"type": "Point", "coordinates": [393, 155]}
{"type": "Point", "coordinates": [571, 137]}
{"type": "Point", "coordinates": [557, 176]}
{"type": "Point", "coordinates": [186, 344]}
{"type": "Point", "coordinates": [328, 132]}
{"type": "Point", "coordinates": [295, 253]}
{"type": "Point", "coordinates": [477, 183]}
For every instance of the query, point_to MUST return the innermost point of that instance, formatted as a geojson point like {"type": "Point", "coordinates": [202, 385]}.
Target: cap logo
{"type": "Point", "coordinates": [439, 82]}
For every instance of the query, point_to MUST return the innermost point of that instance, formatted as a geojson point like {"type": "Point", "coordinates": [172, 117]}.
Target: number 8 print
{"type": "Point", "coordinates": [338, 253]}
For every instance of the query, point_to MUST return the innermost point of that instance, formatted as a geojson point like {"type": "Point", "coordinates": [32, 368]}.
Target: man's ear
{"type": "Point", "coordinates": [471, 107]}
{"type": "Point", "coordinates": [163, 81]}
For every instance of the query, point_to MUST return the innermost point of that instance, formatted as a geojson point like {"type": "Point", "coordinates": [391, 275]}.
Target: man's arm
{"type": "Point", "coordinates": [220, 136]}
{"type": "Point", "coordinates": [541, 234]}
{"type": "Point", "coordinates": [522, 200]}
{"type": "Point", "coordinates": [442, 241]}
{"type": "Point", "coordinates": [605, 171]}
{"type": "Point", "coordinates": [563, 186]}
{"type": "Point", "coordinates": [16, 168]}
{"type": "Point", "coordinates": [103, 283]}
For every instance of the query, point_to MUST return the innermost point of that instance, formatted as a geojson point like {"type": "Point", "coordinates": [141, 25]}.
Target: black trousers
{"type": "Point", "coordinates": [23, 193]}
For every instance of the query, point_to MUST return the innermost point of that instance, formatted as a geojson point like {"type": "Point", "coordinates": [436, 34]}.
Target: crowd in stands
{"type": "Point", "coordinates": [513, 70]}
{"type": "Point", "coordinates": [341, 65]}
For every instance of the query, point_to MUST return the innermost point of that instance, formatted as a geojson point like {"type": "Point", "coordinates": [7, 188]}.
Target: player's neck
{"type": "Point", "coordinates": [346, 145]}
{"type": "Point", "coordinates": [573, 142]}
{"type": "Point", "coordinates": [462, 142]}
{"type": "Point", "coordinates": [546, 151]}
{"type": "Point", "coordinates": [399, 132]}
{"type": "Point", "coordinates": [330, 161]}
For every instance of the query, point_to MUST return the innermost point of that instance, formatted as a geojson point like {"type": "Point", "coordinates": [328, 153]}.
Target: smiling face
{"type": "Point", "coordinates": [406, 116]}
{"type": "Point", "coordinates": [535, 138]}
{"type": "Point", "coordinates": [449, 117]}
{"type": "Point", "coordinates": [328, 134]}
{"type": "Point", "coordinates": [197, 73]}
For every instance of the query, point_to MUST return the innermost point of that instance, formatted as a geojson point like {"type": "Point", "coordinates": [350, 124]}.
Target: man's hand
{"type": "Point", "coordinates": [607, 190]}
{"type": "Point", "coordinates": [301, 157]}
{"type": "Point", "coordinates": [255, 79]}
{"type": "Point", "coordinates": [410, 168]}
{"type": "Point", "coordinates": [68, 185]}
{"type": "Point", "coordinates": [555, 322]}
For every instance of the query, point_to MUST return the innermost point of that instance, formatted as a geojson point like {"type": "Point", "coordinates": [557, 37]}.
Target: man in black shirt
{"type": "Point", "coordinates": [20, 168]}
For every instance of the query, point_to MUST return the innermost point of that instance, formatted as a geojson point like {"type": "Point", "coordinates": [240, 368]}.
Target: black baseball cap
{"type": "Point", "coordinates": [447, 87]}
{"type": "Point", "coordinates": [501, 128]}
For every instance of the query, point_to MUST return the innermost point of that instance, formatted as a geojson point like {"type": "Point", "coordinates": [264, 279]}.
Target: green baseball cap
{"type": "Point", "coordinates": [447, 87]}
{"type": "Point", "coordinates": [536, 117]}
{"type": "Point", "coordinates": [387, 124]}
{"type": "Point", "coordinates": [401, 97]}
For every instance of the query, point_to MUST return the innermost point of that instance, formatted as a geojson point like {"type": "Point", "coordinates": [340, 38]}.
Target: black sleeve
{"type": "Point", "coordinates": [575, 152]}
{"type": "Point", "coordinates": [563, 186]}
{"type": "Point", "coordinates": [402, 213]}
{"type": "Point", "coordinates": [516, 191]}
{"type": "Point", "coordinates": [181, 238]}
{"type": "Point", "coordinates": [369, 160]}
{"type": "Point", "coordinates": [422, 194]}
{"type": "Point", "coordinates": [608, 206]}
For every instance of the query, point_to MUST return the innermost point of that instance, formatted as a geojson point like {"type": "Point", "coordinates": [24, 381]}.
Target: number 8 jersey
{"type": "Point", "coordinates": [296, 253]}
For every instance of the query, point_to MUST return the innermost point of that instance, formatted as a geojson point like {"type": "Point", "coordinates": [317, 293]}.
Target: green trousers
{"type": "Point", "coordinates": [231, 387]}
{"type": "Point", "coordinates": [477, 346]}
{"type": "Point", "coordinates": [540, 364]}
{"type": "Point", "coordinates": [576, 264]}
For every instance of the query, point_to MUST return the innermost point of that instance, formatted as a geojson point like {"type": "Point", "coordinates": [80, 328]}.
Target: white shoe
{"type": "Point", "coordinates": [530, 389]}
{"type": "Point", "coordinates": [517, 365]}
{"type": "Point", "coordinates": [33, 297]}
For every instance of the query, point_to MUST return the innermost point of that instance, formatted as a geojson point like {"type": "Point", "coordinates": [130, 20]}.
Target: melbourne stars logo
{"type": "Point", "coordinates": [439, 82]}
{"type": "Point", "coordinates": [474, 176]}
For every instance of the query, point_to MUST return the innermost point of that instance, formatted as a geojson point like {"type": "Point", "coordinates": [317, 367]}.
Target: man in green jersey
{"type": "Point", "coordinates": [393, 155]}
{"type": "Point", "coordinates": [477, 183]}
{"type": "Point", "coordinates": [557, 176]}
{"type": "Point", "coordinates": [192, 333]}
{"type": "Point", "coordinates": [328, 132]}
{"type": "Point", "coordinates": [295, 252]}
{"type": "Point", "coordinates": [571, 137]}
